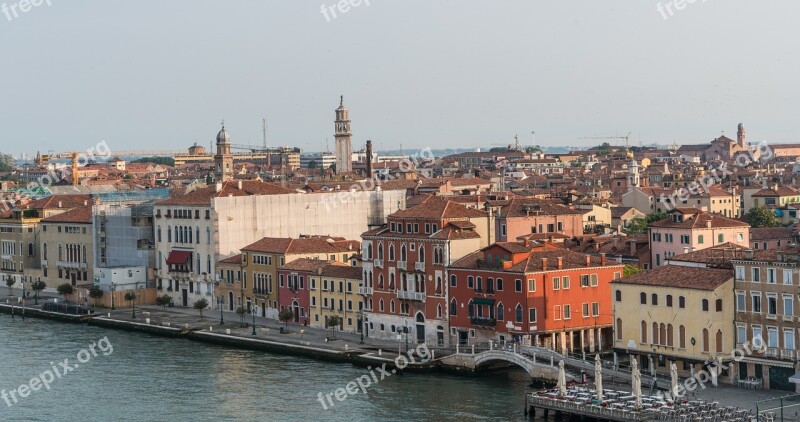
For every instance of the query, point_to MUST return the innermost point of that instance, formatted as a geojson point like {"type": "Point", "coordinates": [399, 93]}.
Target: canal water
{"type": "Point", "coordinates": [147, 378]}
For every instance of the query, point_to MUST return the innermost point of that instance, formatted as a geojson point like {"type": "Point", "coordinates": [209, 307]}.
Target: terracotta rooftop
{"type": "Point", "coordinates": [770, 233]}
{"type": "Point", "coordinates": [60, 201]}
{"type": "Point", "coordinates": [289, 246]}
{"type": "Point", "coordinates": [677, 276]}
{"type": "Point", "coordinates": [532, 207]}
{"type": "Point", "coordinates": [324, 268]}
{"type": "Point", "coordinates": [696, 219]}
{"type": "Point", "coordinates": [533, 263]}
{"type": "Point", "coordinates": [714, 254]}
{"type": "Point", "coordinates": [236, 259]}
{"type": "Point", "coordinates": [80, 215]}
{"type": "Point", "coordinates": [434, 207]}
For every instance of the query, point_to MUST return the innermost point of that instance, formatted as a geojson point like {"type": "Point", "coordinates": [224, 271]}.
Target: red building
{"type": "Point", "coordinates": [545, 295]}
{"type": "Point", "coordinates": [293, 286]}
{"type": "Point", "coordinates": [404, 267]}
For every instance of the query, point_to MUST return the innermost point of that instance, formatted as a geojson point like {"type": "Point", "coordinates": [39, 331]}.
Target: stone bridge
{"type": "Point", "coordinates": [477, 361]}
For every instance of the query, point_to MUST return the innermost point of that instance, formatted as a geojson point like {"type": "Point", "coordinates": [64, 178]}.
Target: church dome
{"type": "Point", "coordinates": [223, 137]}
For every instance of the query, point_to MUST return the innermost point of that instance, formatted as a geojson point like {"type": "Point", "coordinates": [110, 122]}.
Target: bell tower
{"type": "Point", "coordinates": [223, 160]}
{"type": "Point", "coordinates": [343, 137]}
{"type": "Point", "coordinates": [741, 137]}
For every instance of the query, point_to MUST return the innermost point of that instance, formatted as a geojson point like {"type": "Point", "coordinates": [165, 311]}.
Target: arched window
{"type": "Point", "coordinates": [391, 305]}
{"type": "Point", "coordinates": [421, 253]}
{"type": "Point", "coordinates": [705, 305]}
{"type": "Point", "coordinates": [371, 281]}
{"type": "Point", "coordinates": [518, 313]}
{"type": "Point", "coordinates": [369, 251]}
{"type": "Point", "coordinates": [655, 333]}
{"type": "Point", "coordinates": [197, 235]}
{"type": "Point", "coordinates": [439, 310]}
{"type": "Point", "coordinates": [453, 280]}
{"type": "Point", "coordinates": [391, 252]}
{"type": "Point", "coordinates": [208, 264]}
{"type": "Point", "coordinates": [643, 298]}
{"type": "Point", "coordinates": [44, 251]}
{"type": "Point", "coordinates": [380, 281]}
{"type": "Point", "coordinates": [682, 337]}
{"type": "Point", "coordinates": [719, 341]}
{"type": "Point", "coordinates": [618, 295]}
{"type": "Point", "coordinates": [158, 234]}
{"type": "Point", "coordinates": [718, 305]}
{"type": "Point", "coordinates": [208, 235]}
{"type": "Point", "coordinates": [700, 238]}
{"type": "Point", "coordinates": [169, 234]}
{"type": "Point", "coordinates": [654, 299]}
{"type": "Point", "coordinates": [500, 312]}
{"type": "Point", "coordinates": [438, 285]}
{"type": "Point", "coordinates": [471, 309]}
{"type": "Point", "coordinates": [380, 305]}
{"type": "Point", "coordinates": [60, 252]}
{"type": "Point", "coordinates": [644, 332]}
{"type": "Point", "coordinates": [705, 339]}
{"type": "Point", "coordinates": [619, 328]}
{"type": "Point", "coordinates": [370, 304]}
{"type": "Point", "coordinates": [380, 250]}
{"type": "Point", "coordinates": [453, 307]}
{"type": "Point", "coordinates": [662, 337]}
{"type": "Point", "coordinates": [403, 252]}
{"type": "Point", "coordinates": [669, 300]}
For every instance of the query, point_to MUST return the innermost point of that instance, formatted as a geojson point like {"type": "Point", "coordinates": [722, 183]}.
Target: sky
{"type": "Point", "coordinates": [156, 75]}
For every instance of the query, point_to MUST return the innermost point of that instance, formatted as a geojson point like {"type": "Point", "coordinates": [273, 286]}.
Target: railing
{"type": "Point", "coordinates": [365, 291]}
{"type": "Point", "coordinates": [419, 266]}
{"type": "Point", "coordinates": [401, 265]}
{"type": "Point", "coordinates": [405, 294]}
{"type": "Point", "coordinates": [72, 265]}
{"type": "Point", "coordinates": [483, 322]}
{"type": "Point", "coordinates": [772, 352]}
{"type": "Point", "coordinates": [7, 257]}
{"type": "Point", "coordinates": [787, 354]}
{"type": "Point", "coordinates": [44, 263]}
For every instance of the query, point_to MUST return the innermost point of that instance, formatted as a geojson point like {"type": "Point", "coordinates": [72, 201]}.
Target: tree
{"type": "Point", "coordinates": [65, 290]}
{"type": "Point", "coordinates": [312, 164]}
{"type": "Point", "coordinates": [130, 296]}
{"type": "Point", "coordinates": [169, 161]}
{"type": "Point", "coordinates": [200, 305]}
{"type": "Point", "coordinates": [285, 316]}
{"type": "Point", "coordinates": [163, 301]}
{"type": "Point", "coordinates": [334, 322]}
{"type": "Point", "coordinates": [762, 217]}
{"type": "Point", "coordinates": [241, 311]}
{"type": "Point", "coordinates": [637, 226]}
{"type": "Point", "coordinates": [95, 293]}
{"type": "Point", "coordinates": [630, 270]}
{"type": "Point", "coordinates": [37, 286]}
{"type": "Point", "coordinates": [656, 216]}
{"type": "Point", "coordinates": [604, 148]}
{"type": "Point", "coordinates": [10, 282]}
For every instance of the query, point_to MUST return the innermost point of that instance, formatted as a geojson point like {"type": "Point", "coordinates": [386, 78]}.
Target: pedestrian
{"type": "Point", "coordinates": [302, 332]}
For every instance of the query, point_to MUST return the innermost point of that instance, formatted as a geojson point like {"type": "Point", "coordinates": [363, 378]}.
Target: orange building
{"type": "Point", "coordinates": [532, 292]}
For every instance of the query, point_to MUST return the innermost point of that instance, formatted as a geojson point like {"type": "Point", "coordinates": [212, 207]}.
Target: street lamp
{"type": "Point", "coordinates": [219, 303]}
{"type": "Point", "coordinates": [255, 309]}
{"type": "Point", "coordinates": [36, 300]}
{"type": "Point", "coordinates": [22, 281]}
{"type": "Point", "coordinates": [360, 315]}
{"type": "Point", "coordinates": [113, 289]}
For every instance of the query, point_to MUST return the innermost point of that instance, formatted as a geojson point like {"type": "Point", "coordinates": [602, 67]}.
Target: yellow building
{"type": "Point", "coordinates": [675, 314]}
{"type": "Point", "coordinates": [262, 259]}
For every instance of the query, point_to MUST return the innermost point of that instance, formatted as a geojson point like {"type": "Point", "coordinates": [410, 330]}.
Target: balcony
{"type": "Point", "coordinates": [378, 263]}
{"type": "Point", "coordinates": [71, 265]}
{"type": "Point", "coordinates": [787, 318]}
{"type": "Point", "coordinates": [787, 354]}
{"type": "Point", "coordinates": [44, 263]}
{"type": "Point", "coordinates": [772, 352]}
{"type": "Point", "coordinates": [6, 257]}
{"type": "Point", "coordinates": [401, 265]}
{"type": "Point", "coordinates": [365, 291]}
{"type": "Point", "coordinates": [405, 294]}
{"type": "Point", "coordinates": [483, 322]}
{"type": "Point", "coordinates": [420, 266]}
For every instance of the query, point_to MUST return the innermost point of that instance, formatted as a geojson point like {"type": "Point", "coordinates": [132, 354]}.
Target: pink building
{"type": "Point", "coordinates": [520, 217]}
{"type": "Point", "coordinates": [689, 229]}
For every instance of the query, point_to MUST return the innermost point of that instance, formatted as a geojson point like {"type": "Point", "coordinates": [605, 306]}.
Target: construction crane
{"type": "Point", "coordinates": [626, 138]}
{"type": "Point", "coordinates": [72, 155]}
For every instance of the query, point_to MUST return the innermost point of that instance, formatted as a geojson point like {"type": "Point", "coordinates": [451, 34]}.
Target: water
{"type": "Point", "coordinates": [149, 378]}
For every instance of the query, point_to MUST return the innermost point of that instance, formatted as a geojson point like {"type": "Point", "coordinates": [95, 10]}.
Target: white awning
{"type": "Point", "coordinates": [795, 379]}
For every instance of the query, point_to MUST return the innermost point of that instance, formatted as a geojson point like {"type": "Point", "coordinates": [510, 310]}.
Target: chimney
{"type": "Point", "coordinates": [59, 204]}
{"type": "Point", "coordinates": [526, 241]}
{"type": "Point", "coordinates": [685, 249]}
{"type": "Point", "coordinates": [544, 264]}
{"type": "Point", "coordinates": [632, 244]}
{"type": "Point", "coordinates": [85, 202]}
{"type": "Point", "coordinates": [240, 185]}
{"type": "Point", "coordinates": [603, 259]}
{"type": "Point", "coordinates": [560, 261]}
{"type": "Point", "coordinates": [596, 247]}
{"type": "Point", "coordinates": [219, 186]}
{"type": "Point", "coordinates": [708, 224]}
{"type": "Point", "coordinates": [369, 159]}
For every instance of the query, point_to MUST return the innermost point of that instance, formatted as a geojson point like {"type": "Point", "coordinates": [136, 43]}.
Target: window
{"type": "Point", "coordinates": [771, 275]}
{"type": "Point", "coordinates": [740, 302]}
{"type": "Point", "coordinates": [518, 285]}
{"type": "Point", "coordinates": [500, 285]}
{"type": "Point", "coordinates": [718, 305]}
{"type": "Point", "coordinates": [453, 307]}
{"type": "Point", "coordinates": [669, 300]}
{"type": "Point", "coordinates": [619, 329]}
{"type": "Point", "coordinates": [788, 305]}
{"type": "Point", "coordinates": [758, 338]}
{"type": "Point", "coordinates": [585, 310]}
{"type": "Point", "coordinates": [618, 295]}
{"type": "Point", "coordinates": [532, 315]}
{"type": "Point", "coordinates": [741, 334]}
{"type": "Point", "coordinates": [720, 238]}
{"type": "Point", "coordinates": [556, 283]}
{"type": "Point", "coordinates": [705, 339]}
{"type": "Point", "coordinates": [500, 312]}
{"type": "Point", "coordinates": [566, 312]}
{"type": "Point", "coordinates": [772, 337]}
{"type": "Point", "coordinates": [700, 239]}
{"type": "Point", "coordinates": [654, 299]}
{"type": "Point", "coordinates": [756, 274]}
{"type": "Point", "coordinates": [585, 280]}
{"type": "Point", "coordinates": [772, 305]}
{"type": "Point", "coordinates": [564, 283]}
{"type": "Point", "coordinates": [518, 313]}
{"type": "Point", "coordinates": [682, 337]}
{"type": "Point", "coordinates": [470, 281]}
{"type": "Point", "coordinates": [595, 309]}
{"type": "Point", "coordinates": [452, 280]}
{"type": "Point", "coordinates": [788, 339]}
{"type": "Point", "coordinates": [756, 308]}
{"type": "Point", "coordinates": [557, 312]}
{"type": "Point", "coordinates": [644, 332]}
{"type": "Point", "coordinates": [593, 280]}
{"type": "Point", "coordinates": [787, 276]}
{"type": "Point", "coordinates": [531, 285]}
{"type": "Point", "coordinates": [740, 273]}
{"type": "Point", "coordinates": [681, 302]}
{"type": "Point", "coordinates": [643, 298]}
{"type": "Point", "coordinates": [705, 305]}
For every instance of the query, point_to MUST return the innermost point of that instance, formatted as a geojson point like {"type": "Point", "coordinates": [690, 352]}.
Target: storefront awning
{"type": "Point", "coordinates": [179, 257]}
{"type": "Point", "coordinates": [483, 301]}
{"type": "Point", "coordinates": [795, 379]}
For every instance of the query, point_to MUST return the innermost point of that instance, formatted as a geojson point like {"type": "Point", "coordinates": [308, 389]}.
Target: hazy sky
{"type": "Point", "coordinates": [461, 73]}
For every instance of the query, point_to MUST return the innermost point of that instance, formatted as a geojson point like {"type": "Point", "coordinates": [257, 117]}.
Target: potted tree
{"type": "Point", "coordinates": [200, 305]}
{"type": "Point", "coordinates": [95, 293]}
{"type": "Point", "coordinates": [65, 290]}
{"type": "Point", "coordinates": [334, 322]}
{"type": "Point", "coordinates": [10, 282]}
{"type": "Point", "coordinates": [285, 316]}
{"type": "Point", "coordinates": [37, 287]}
{"type": "Point", "coordinates": [241, 311]}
